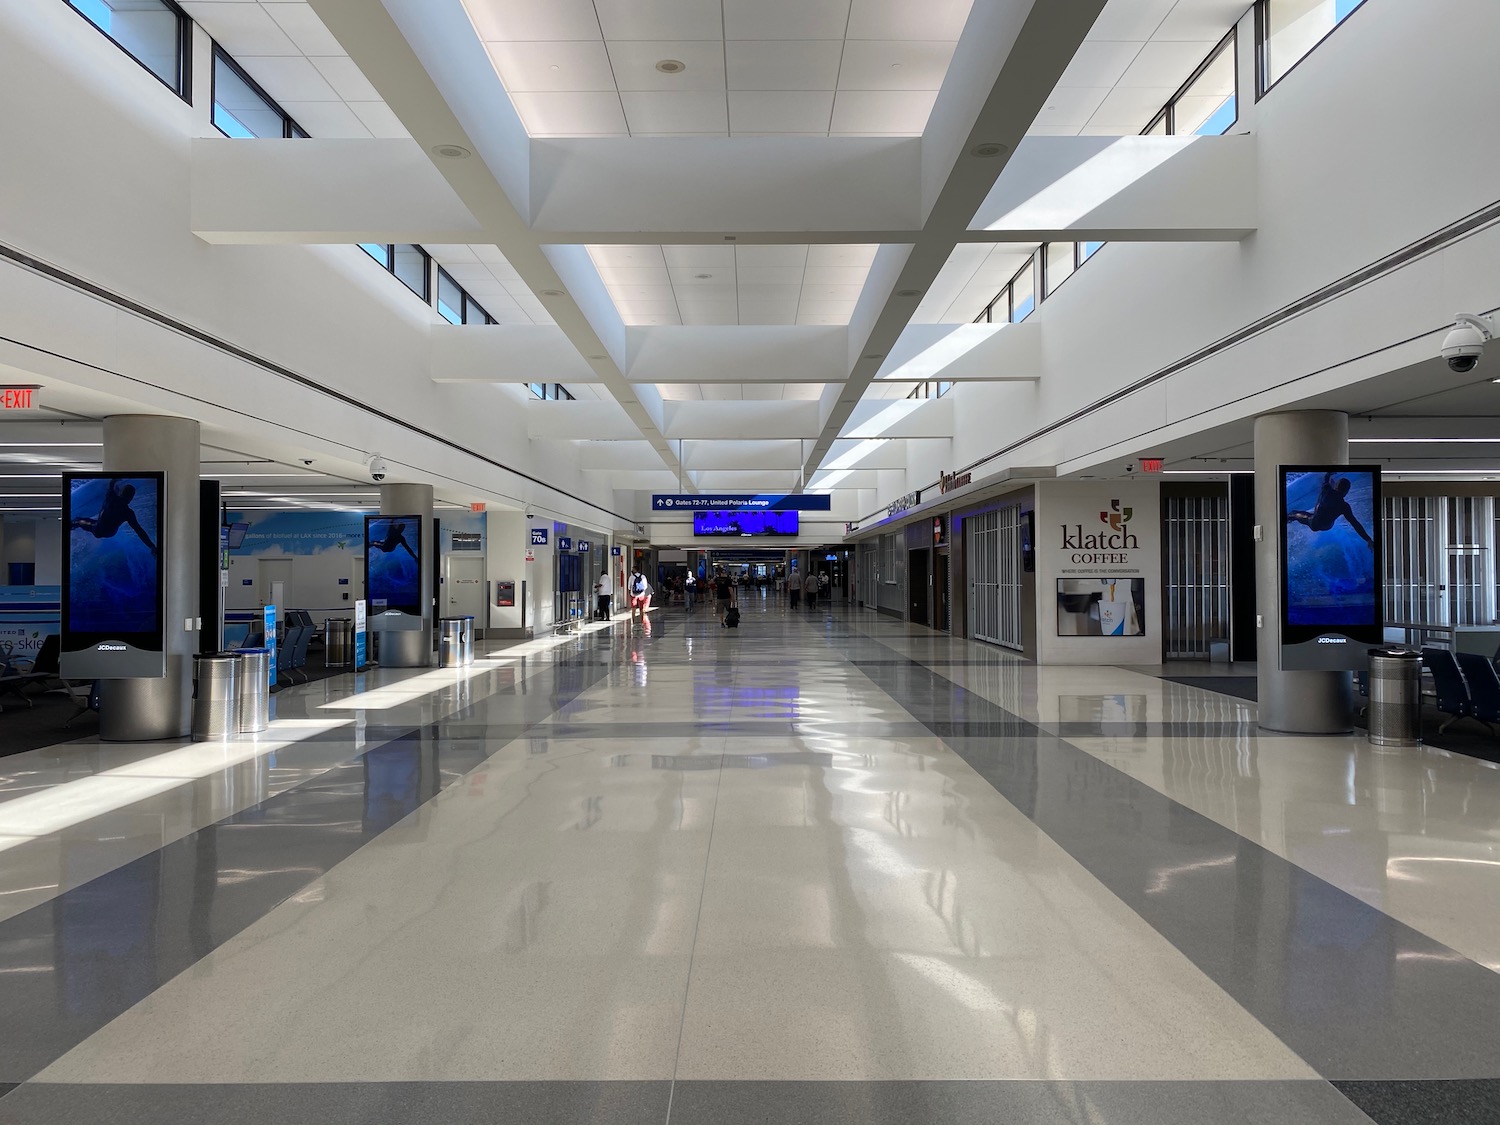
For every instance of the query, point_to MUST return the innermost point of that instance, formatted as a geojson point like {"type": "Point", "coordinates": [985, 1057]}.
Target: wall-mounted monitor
{"type": "Point", "coordinates": [113, 581]}
{"type": "Point", "coordinates": [745, 523]}
{"type": "Point", "coordinates": [1028, 542]}
{"type": "Point", "coordinates": [393, 564]}
{"type": "Point", "coordinates": [236, 535]}
{"type": "Point", "coordinates": [1331, 592]}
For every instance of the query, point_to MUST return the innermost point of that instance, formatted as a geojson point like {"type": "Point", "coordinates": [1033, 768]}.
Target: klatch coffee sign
{"type": "Point", "coordinates": [1101, 545]}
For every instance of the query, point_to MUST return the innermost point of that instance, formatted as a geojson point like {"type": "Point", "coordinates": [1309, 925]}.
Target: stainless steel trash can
{"type": "Point", "coordinates": [1395, 697]}
{"type": "Point", "coordinates": [215, 696]}
{"type": "Point", "coordinates": [255, 689]}
{"type": "Point", "coordinates": [450, 641]}
{"type": "Point", "coordinates": [468, 640]}
{"type": "Point", "coordinates": [338, 642]}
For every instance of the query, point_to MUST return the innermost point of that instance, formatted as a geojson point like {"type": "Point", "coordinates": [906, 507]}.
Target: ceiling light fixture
{"type": "Point", "coordinates": [875, 355]}
{"type": "Point", "coordinates": [671, 66]}
{"type": "Point", "coordinates": [908, 292]}
{"type": "Point", "coordinates": [987, 150]}
{"type": "Point", "coordinates": [451, 152]}
{"type": "Point", "coordinates": [551, 292]}
{"type": "Point", "coordinates": [702, 276]}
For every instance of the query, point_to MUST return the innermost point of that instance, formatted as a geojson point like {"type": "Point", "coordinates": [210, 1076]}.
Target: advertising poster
{"type": "Point", "coordinates": [113, 566]}
{"type": "Point", "coordinates": [393, 563]}
{"type": "Point", "coordinates": [361, 636]}
{"type": "Point", "coordinates": [268, 625]}
{"type": "Point", "coordinates": [1331, 554]}
{"type": "Point", "coordinates": [113, 584]}
{"type": "Point", "coordinates": [1101, 607]}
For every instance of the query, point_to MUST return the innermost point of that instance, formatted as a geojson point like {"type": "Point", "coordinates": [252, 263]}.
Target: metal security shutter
{"type": "Point", "coordinates": [1195, 573]}
{"type": "Point", "coordinates": [994, 565]}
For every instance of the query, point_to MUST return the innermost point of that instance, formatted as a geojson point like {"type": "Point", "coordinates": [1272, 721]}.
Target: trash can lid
{"type": "Point", "coordinates": [1396, 652]}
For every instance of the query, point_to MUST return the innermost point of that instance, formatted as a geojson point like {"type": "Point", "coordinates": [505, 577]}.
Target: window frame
{"type": "Point", "coordinates": [184, 88]}
{"type": "Point", "coordinates": [1010, 288]}
{"type": "Point", "coordinates": [1263, 46]}
{"type": "Point", "coordinates": [1168, 113]}
{"type": "Point", "coordinates": [290, 129]}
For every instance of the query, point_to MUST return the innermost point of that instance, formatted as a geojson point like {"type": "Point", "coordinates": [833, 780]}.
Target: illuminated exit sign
{"type": "Point", "coordinates": [17, 398]}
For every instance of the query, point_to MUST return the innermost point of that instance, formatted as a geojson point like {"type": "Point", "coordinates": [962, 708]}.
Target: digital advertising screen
{"type": "Point", "coordinates": [112, 575]}
{"type": "Point", "coordinates": [745, 523]}
{"type": "Point", "coordinates": [1330, 553]}
{"type": "Point", "coordinates": [1101, 607]}
{"type": "Point", "coordinates": [393, 564]}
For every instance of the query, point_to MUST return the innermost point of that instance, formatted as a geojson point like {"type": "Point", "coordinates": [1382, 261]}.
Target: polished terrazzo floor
{"type": "Point", "coordinates": [827, 868]}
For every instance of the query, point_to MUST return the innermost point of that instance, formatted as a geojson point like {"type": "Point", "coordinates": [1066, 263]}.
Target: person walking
{"type": "Point", "coordinates": [823, 586]}
{"type": "Point", "coordinates": [640, 594]}
{"type": "Point", "coordinates": [604, 591]}
{"type": "Point", "coordinates": [724, 594]}
{"type": "Point", "coordinates": [690, 590]}
{"type": "Point", "coordinates": [794, 590]}
{"type": "Point", "coordinates": [810, 589]}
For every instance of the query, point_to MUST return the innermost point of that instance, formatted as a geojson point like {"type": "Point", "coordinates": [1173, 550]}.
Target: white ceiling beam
{"type": "Point", "coordinates": [582, 420]}
{"type": "Point", "coordinates": [965, 352]}
{"type": "Point", "coordinates": [752, 189]}
{"type": "Point", "coordinates": [702, 190]}
{"type": "Point", "coordinates": [742, 455]}
{"type": "Point", "coordinates": [759, 353]}
{"type": "Point", "coordinates": [906, 418]}
{"type": "Point", "coordinates": [616, 456]}
{"type": "Point", "coordinates": [860, 453]}
{"type": "Point", "coordinates": [851, 479]}
{"type": "Point", "coordinates": [505, 353]}
{"type": "Point", "coordinates": [322, 191]}
{"type": "Point", "coordinates": [747, 480]}
{"type": "Point", "coordinates": [1009, 60]}
{"type": "Point", "coordinates": [745, 421]}
{"type": "Point", "coordinates": [1142, 188]}
{"type": "Point", "coordinates": [432, 70]}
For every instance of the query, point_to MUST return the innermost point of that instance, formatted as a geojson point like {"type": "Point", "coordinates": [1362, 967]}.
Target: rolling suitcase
{"type": "Point", "coordinates": [732, 618]}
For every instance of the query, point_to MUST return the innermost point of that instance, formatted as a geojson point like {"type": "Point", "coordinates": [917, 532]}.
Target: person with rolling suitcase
{"type": "Point", "coordinates": [725, 595]}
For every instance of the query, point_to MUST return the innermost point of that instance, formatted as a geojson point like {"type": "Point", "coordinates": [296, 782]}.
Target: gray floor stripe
{"type": "Point", "coordinates": [1354, 992]}
{"type": "Point", "coordinates": [69, 966]}
{"type": "Point", "coordinates": [341, 1103]}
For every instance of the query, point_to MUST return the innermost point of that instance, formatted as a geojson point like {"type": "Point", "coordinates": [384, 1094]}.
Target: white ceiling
{"type": "Point", "coordinates": [752, 67]}
{"type": "Point", "coordinates": [1137, 56]}
{"type": "Point", "coordinates": [740, 392]}
{"type": "Point", "coordinates": [493, 282]}
{"type": "Point", "coordinates": [284, 46]}
{"type": "Point", "coordinates": [734, 284]}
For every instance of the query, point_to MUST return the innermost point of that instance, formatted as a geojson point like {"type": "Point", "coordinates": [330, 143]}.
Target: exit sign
{"type": "Point", "coordinates": [17, 398]}
{"type": "Point", "coordinates": [1150, 464]}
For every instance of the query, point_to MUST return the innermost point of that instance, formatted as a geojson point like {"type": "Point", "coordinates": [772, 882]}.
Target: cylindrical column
{"type": "Point", "coordinates": [1299, 702]}
{"type": "Point", "coordinates": [411, 648]}
{"type": "Point", "coordinates": [138, 710]}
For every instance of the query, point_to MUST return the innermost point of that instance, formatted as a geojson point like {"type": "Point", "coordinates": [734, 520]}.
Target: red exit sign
{"type": "Point", "coordinates": [17, 398]}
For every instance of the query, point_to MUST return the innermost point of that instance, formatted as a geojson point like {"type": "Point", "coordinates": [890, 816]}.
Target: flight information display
{"type": "Point", "coordinates": [745, 523]}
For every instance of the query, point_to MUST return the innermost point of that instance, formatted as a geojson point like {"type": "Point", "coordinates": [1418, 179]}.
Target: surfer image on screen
{"type": "Point", "coordinates": [114, 513]}
{"type": "Point", "coordinates": [1330, 506]}
{"type": "Point", "coordinates": [395, 536]}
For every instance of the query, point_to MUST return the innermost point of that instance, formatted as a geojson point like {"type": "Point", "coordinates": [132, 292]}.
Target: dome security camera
{"type": "Point", "coordinates": [378, 468]}
{"type": "Point", "coordinates": [1463, 346]}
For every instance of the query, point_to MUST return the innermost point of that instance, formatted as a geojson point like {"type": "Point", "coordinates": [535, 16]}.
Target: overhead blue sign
{"type": "Point", "coordinates": [615, 551]}
{"type": "Point", "coordinates": [538, 536]}
{"type": "Point", "coordinates": [742, 501]}
{"type": "Point", "coordinates": [583, 546]}
{"type": "Point", "coordinates": [564, 543]}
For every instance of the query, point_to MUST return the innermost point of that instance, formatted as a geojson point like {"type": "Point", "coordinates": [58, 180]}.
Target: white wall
{"type": "Point", "coordinates": [1356, 160]}
{"type": "Point", "coordinates": [110, 202]}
